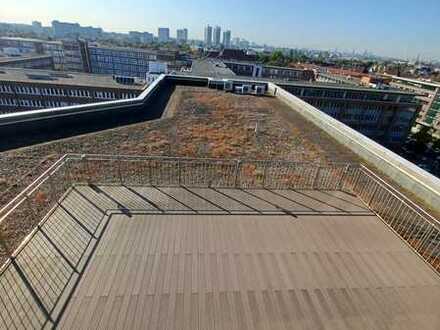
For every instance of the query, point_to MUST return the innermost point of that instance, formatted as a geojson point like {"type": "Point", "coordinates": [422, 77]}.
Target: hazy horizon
{"type": "Point", "coordinates": [395, 28]}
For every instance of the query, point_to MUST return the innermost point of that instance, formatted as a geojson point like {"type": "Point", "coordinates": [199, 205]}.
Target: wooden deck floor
{"type": "Point", "coordinates": [178, 258]}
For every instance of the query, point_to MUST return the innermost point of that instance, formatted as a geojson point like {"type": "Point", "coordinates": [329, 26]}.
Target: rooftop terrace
{"type": "Point", "coordinates": [128, 242]}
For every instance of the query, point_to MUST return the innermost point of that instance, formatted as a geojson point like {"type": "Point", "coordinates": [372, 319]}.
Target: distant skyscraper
{"type": "Point", "coordinates": [182, 36]}
{"type": "Point", "coordinates": [227, 39]}
{"type": "Point", "coordinates": [208, 35]}
{"type": "Point", "coordinates": [217, 35]}
{"type": "Point", "coordinates": [163, 34]}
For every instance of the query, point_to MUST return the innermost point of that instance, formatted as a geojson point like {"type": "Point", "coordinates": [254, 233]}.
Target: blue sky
{"type": "Point", "coordinates": [389, 27]}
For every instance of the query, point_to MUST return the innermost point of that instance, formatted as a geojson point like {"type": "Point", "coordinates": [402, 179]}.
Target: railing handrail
{"type": "Point", "coordinates": [399, 195]}
{"type": "Point", "coordinates": [171, 158]}
{"type": "Point", "coordinates": [17, 200]}
{"type": "Point", "coordinates": [21, 197]}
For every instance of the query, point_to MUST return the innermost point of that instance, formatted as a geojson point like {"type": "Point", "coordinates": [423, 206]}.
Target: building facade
{"type": "Point", "coordinates": [208, 36]}
{"type": "Point", "coordinates": [182, 36]}
{"type": "Point", "coordinates": [36, 89]}
{"type": "Point", "coordinates": [217, 36]}
{"type": "Point", "coordinates": [227, 39]}
{"type": "Point", "coordinates": [63, 30]}
{"type": "Point", "coordinates": [163, 35]}
{"type": "Point", "coordinates": [75, 55]}
{"type": "Point", "coordinates": [120, 61]}
{"type": "Point", "coordinates": [429, 98]}
{"type": "Point", "coordinates": [44, 62]}
{"type": "Point", "coordinates": [36, 46]}
{"type": "Point", "coordinates": [385, 116]}
{"type": "Point", "coordinates": [257, 70]}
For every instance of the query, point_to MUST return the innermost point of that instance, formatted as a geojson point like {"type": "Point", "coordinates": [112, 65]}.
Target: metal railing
{"type": "Point", "coordinates": [40, 206]}
{"type": "Point", "coordinates": [415, 226]}
{"type": "Point", "coordinates": [34, 202]}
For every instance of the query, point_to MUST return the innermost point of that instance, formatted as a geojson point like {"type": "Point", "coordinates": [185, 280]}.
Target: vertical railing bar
{"type": "Point", "coordinates": [315, 181]}
{"type": "Point", "coordinates": [237, 173]}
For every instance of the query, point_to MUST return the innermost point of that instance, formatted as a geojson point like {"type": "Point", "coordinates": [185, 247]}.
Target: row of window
{"type": "Point", "coordinates": [33, 103]}
{"type": "Point", "coordinates": [352, 95]}
{"type": "Point", "coordinates": [120, 53]}
{"type": "Point", "coordinates": [124, 60]}
{"type": "Point", "coordinates": [60, 92]}
{"type": "Point", "coordinates": [119, 72]}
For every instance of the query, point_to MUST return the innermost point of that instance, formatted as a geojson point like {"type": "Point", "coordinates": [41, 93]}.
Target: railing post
{"type": "Point", "coordinates": [52, 189]}
{"type": "Point", "coordinates": [356, 180]}
{"type": "Point", "coordinates": [86, 168]}
{"type": "Point", "coordinates": [150, 175]}
{"type": "Point", "coordinates": [344, 174]}
{"type": "Point", "coordinates": [119, 171]}
{"type": "Point", "coordinates": [237, 173]}
{"type": "Point", "coordinates": [178, 173]}
{"type": "Point", "coordinates": [265, 174]}
{"type": "Point", "coordinates": [315, 181]}
{"type": "Point", "coordinates": [4, 244]}
{"type": "Point", "coordinates": [373, 194]}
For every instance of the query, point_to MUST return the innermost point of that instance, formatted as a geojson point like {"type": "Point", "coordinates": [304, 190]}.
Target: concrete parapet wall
{"type": "Point", "coordinates": [409, 176]}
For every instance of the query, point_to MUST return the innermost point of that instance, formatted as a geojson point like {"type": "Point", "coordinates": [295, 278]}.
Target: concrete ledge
{"type": "Point", "coordinates": [409, 176]}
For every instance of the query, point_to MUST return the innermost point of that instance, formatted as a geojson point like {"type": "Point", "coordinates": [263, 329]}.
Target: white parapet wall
{"type": "Point", "coordinates": [409, 176]}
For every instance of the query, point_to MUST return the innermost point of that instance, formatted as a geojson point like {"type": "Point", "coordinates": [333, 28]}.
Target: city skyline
{"type": "Point", "coordinates": [297, 25]}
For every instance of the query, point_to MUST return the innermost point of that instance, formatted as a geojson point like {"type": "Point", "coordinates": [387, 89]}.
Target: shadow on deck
{"type": "Point", "coordinates": [38, 284]}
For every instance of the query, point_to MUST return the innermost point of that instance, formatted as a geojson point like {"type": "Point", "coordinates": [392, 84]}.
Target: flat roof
{"type": "Point", "coordinates": [223, 258]}
{"type": "Point", "coordinates": [341, 87]}
{"type": "Point", "coordinates": [20, 75]}
{"type": "Point", "coordinates": [210, 68]}
{"type": "Point", "coordinates": [265, 65]}
{"type": "Point", "coordinates": [214, 68]}
{"type": "Point", "coordinates": [32, 40]}
{"type": "Point", "coordinates": [7, 59]}
{"type": "Point", "coordinates": [417, 81]}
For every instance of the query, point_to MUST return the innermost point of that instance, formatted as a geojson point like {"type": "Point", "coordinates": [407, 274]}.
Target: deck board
{"type": "Point", "coordinates": [202, 258]}
{"type": "Point", "coordinates": [319, 286]}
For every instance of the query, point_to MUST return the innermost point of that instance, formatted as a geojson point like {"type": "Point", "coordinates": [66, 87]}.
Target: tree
{"type": "Point", "coordinates": [422, 138]}
{"type": "Point", "coordinates": [277, 58]}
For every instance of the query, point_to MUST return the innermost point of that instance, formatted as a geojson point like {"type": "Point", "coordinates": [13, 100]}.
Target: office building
{"type": "Point", "coordinates": [28, 61]}
{"type": "Point", "coordinates": [27, 46]}
{"type": "Point", "coordinates": [306, 237]}
{"type": "Point", "coordinates": [24, 90]}
{"type": "Point", "coordinates": [182, 36]}
{"type": "Point", "coordinates": [130, 62]}
{"type": "Point", "coordinates": [208, 36]}
{"type": "Point", "coordinates": [227, 39]}
{"type": "Point", "coordinates": [217, 36]}
{"type": "Point", "coordinates": [429, 97]}
{"type": "Point", "coordinates": [163, 35]}
{"type": "Point", "coordinates": [385, 116]}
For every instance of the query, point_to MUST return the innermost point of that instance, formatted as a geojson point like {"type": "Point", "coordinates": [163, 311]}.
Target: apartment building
{"type": "Point", "coordinates": [22, 90]}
